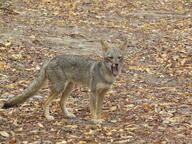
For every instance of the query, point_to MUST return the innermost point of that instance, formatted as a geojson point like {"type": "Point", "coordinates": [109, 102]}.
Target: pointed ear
{"type": "Point", "coordinates": [123, 45]}
{"type": "Point", "coordinates": [105, 46]}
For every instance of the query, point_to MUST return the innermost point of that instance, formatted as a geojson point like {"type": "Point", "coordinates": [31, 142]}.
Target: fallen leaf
{"type": "Point", "coordinates": [113, 108]}
{"type": "Point", "coordinates": [16, 56]}
{"type": "Point", "coordinates": [82, 142]}
{"type": "Point", "coordinates": [62, 142]}
{"type": "Point", "coordinates": [40, 125]}
{"type": "Point", "coordinates": [4, 133]}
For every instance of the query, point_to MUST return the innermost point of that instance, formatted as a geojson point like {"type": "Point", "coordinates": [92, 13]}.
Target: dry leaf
{"type": "Point", "coordinates": [113, 108]}
{"type": "Point", "coordinates": [4, 134]}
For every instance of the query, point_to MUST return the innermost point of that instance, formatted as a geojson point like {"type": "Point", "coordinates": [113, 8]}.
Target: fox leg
{"type": "Point", "coordinates": [65, 95]}
{"type": "Point", "coordinates": [99, 102]}
{"type": "Point", "coordinates": [58, 82]}
{"type": "Point", "coordinates": [96, 102]}
{"type": "Point", "coordinates": [51, 97]}
{"type": "Point", "coordinates": [93, 104]}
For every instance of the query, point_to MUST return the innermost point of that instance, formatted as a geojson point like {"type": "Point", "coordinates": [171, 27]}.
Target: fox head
{"type": "Point", "coordinates": [113, 57]}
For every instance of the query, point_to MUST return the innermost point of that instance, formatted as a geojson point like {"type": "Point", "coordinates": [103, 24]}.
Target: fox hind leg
{"type": "Point", "coordinates": [65, 95]}
{"type": "Point", "coordinates": [50, 98]}
{"type": "Point", "coordinates": [58, 81]}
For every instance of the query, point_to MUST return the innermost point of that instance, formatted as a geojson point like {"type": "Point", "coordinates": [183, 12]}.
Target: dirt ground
{"type": "Point", "coordinates": [150, 103]}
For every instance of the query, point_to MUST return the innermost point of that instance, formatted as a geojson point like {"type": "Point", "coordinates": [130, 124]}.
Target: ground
{"type": "Point", "coordinates": [151, 102]}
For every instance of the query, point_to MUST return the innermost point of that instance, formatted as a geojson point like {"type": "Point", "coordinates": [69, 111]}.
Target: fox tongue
{"type": "Point", "coordinates": [114, 69]}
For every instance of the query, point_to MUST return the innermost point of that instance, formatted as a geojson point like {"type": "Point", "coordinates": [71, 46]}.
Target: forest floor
{"type": "Point", "coordinates": [151, 102]}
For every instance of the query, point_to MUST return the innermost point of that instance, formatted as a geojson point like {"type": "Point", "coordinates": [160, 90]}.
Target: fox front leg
{"type": "Point", "coordinates": [99, 103]}
{"type": "Point", "coordinates": [96, 102]}
{"type": "Point", "coordinates": [93, 105]}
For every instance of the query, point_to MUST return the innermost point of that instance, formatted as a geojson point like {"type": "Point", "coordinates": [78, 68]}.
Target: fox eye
{"type": "Point", "coordinates": [120, 57]}
{"type": "Point", "coordinates": [110, 57]}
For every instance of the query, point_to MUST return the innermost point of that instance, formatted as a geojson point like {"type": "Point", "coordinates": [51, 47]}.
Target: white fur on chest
{"type": "Point", "coordinates": [103, 86]}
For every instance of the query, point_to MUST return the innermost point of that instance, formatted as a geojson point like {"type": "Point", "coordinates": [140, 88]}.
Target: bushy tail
{"type": "Point", "coordinates": [29, 91]}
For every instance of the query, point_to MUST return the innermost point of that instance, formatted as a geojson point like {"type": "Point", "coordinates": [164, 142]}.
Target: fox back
{"type": "Point", "coordinates": [72, 67]}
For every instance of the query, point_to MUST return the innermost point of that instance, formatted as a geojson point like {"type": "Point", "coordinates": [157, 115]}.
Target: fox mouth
{"type": "Point", "coordinates": [115, 69]}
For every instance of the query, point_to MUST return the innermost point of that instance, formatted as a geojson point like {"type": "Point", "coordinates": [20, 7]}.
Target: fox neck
{"type": "Point", "coordinates": [106, 73]}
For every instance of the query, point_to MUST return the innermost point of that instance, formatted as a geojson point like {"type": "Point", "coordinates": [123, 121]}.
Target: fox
{"type": "Point", "coordinates": [65, 70]}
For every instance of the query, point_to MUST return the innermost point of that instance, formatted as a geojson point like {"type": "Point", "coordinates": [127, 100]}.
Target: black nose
{"type": "Point", "coordinates": [115, 65]}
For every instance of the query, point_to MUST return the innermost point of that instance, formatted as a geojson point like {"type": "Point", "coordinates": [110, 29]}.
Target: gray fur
{"type": "Point", "coordinates": [65, 70]}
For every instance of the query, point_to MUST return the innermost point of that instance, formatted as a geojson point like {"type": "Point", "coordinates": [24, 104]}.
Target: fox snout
{"type": "Point", "coordinates": [115, 69]}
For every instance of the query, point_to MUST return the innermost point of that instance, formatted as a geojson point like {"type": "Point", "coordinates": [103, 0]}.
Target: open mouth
{"type": "Point", "coordinates": [115, 69]}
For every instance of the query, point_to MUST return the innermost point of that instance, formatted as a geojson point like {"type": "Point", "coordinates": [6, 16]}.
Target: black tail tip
{"type": "Point", "coordinates": [7, 105]}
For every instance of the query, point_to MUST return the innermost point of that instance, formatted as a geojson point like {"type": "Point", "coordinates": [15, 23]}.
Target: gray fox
{"type": "Point", "coordinates": [65, 70]}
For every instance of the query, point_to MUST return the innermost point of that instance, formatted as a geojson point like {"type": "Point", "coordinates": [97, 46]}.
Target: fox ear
{"type": "Point", "coordinates": [123, 45]}
{"type": "Point", "coordinates": [105, 46]}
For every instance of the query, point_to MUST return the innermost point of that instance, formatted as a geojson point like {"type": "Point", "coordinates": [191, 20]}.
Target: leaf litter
{"type": "Point", "coordinates": [149, 103]}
